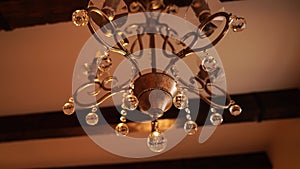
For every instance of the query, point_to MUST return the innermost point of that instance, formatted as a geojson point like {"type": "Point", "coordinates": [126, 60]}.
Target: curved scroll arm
{"type": "Point", "coordinates": [227, 16]}
{"type": "Point", "coordinates": [99, 101]}
{"type": "Point", "coordinates": [93, 30]}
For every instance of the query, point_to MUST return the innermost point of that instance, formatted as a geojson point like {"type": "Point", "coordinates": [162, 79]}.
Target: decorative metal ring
{"type": "Point", "coordinates": [83, 87]}
{"type": "Point", "coordinates": [92, 29]}
{"type": "Point", "coordinates": [106, 81]}
{"type": "Point", "coordinates": [208, 91]}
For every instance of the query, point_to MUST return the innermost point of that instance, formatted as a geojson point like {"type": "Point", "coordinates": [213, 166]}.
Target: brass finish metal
{"type": "Point", "coordinates": [155, 92]}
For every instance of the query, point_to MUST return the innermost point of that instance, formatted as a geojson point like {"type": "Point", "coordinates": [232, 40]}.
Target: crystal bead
{"type": "Point", "coordinates": [180, 101]}
{"type": "Point", "coordinates": [190, 127]}
{"type": "Point", "coordinates": [80, 17]}
{"type": "Point", "coordinates": [122, 129]}
{"type": "Point", "coordinates": [187, 110]}
{"type": "Point", "coordinates": [216, 119]}
{"type": "Point", "coordinates": [123, 119]}
{"type": "Point", "coordinates": [94, 109]}
{"type": "Point", "coordinates": [235, 110]}
{"type": "Point", "coordinates": [188, 117]}
{"type": "Point", "coordinates": [209, 63]}
{"type": "Point", "coordinates": [174, 71]}
{"type": "Point", "coordinates": [130, 102]}
{"type": "Point", "coordinates": [91, 119]}
{"type": "Point", "coordinates": [156, 141]}
{"type": "Point", "coordinates": [213, 110]}
{"type": "Point", "coordinates": [123, 113]}
{"type": "Point", "coordinates": [71, 100]}
{"type": "Point", "coordinates": [238, 24]}
{"type": "Point", "coordinates": [104, 63]}
{"type": "Point", "coordinates": [69, 108]}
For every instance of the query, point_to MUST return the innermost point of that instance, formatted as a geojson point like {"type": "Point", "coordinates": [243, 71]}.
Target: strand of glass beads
{"type": "Point", "coordinates": [190, 126]}
{"type": "Point", "coordinates": [180, 101]}
{"type": "Point", "coordinates": [130, 101]}
{"type": "Point", "coordinates": [122, 128]}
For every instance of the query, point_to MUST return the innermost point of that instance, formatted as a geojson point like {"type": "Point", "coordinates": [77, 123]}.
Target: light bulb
{"type": "Point", "coordinates": [156, 141]}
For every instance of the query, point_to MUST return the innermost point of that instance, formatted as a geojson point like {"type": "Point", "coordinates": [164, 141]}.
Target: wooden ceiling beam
{"type": "Point", "coordinates": [256, 107]}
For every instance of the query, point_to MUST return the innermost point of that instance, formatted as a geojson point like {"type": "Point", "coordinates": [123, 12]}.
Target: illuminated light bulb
{"type": "Point", "coordinates": [156, 141]}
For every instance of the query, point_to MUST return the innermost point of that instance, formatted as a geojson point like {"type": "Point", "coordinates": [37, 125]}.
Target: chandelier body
{"type": "Point", "coordinates": [155, 91]}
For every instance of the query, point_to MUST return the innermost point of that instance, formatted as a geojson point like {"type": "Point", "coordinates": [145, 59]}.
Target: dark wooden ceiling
{"type": "Point", "coordinates": [23, 13]}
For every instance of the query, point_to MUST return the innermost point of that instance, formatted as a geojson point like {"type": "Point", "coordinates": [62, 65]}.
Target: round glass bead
{"type": "Point", "coordinates": [94, 109]}
{"type": "Point", "coordinates": [238, 24]}
{"type": "Point", "coordinates": [180, 101]}
{"type": "Point", "coordinates": [235, 110]}
{"type": "Point", "coordinates": [190, 127]}
{"type": "Point", "coordinates": [130, 102]}
{"type": "Point", "coordinates": [209, 63]}
{"type": "Point", "coordinates": [123, 113]}
{"type": "Point", "coordinates": [71, 100]}
{"type": "Point", "coordinates": [123, 119]}
{"type": "Point", "coordinates": [104, 63]}
{"type": "Point", "coordinates": [188, 117]}
{"type": "Point", "coordinates": [187, 110]}
{"type": "Point", "coordinates": [80, 17]}
{"type": "Point", "coordinates": [69, 108]}
{"type": "Point", "coordinates": [213, 110]}
{"type": "Point", "coordinates": [156, 141]}
{"type": "Point", "coordinates": [174, 71]}
{"type": "Point", "coordinates": [216, 119]}
{"type": "Point", "coordinates": [122, 129]}
{"type": "Point", "coordinates": [91, 119]}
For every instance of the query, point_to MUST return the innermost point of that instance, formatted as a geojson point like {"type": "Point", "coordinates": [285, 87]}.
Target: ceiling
{"type": "Point", "coordinates": [37, 63]}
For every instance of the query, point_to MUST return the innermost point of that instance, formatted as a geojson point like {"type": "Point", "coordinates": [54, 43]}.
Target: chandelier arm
{"type": "Point", "coordinates": [167, 42]}
{"type": "Point", "coordinates": [210, 102]}
{"type": "Point", "coordinates": [126, 54]}
{"type": "Point", "coordinates": [98, 101]}
{"type": "Point", "coordinates": [139, 40]}
{"type": "Point", "coordinates": [92, 29]}
{"type": "Point", "coordinates": [120, 33]}
{"type": "Point", "coordinates": [228, 103]}
{"type": "Point", "coordinates": [181, 54]}
{"type": "Point", "coordinates": [187, 36]}
{"type": "Point", "coordinates": [207, 20]}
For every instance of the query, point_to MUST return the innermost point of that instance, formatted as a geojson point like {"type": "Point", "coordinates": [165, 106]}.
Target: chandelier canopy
{"type": "Point", "coordinates": [164, 60]}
